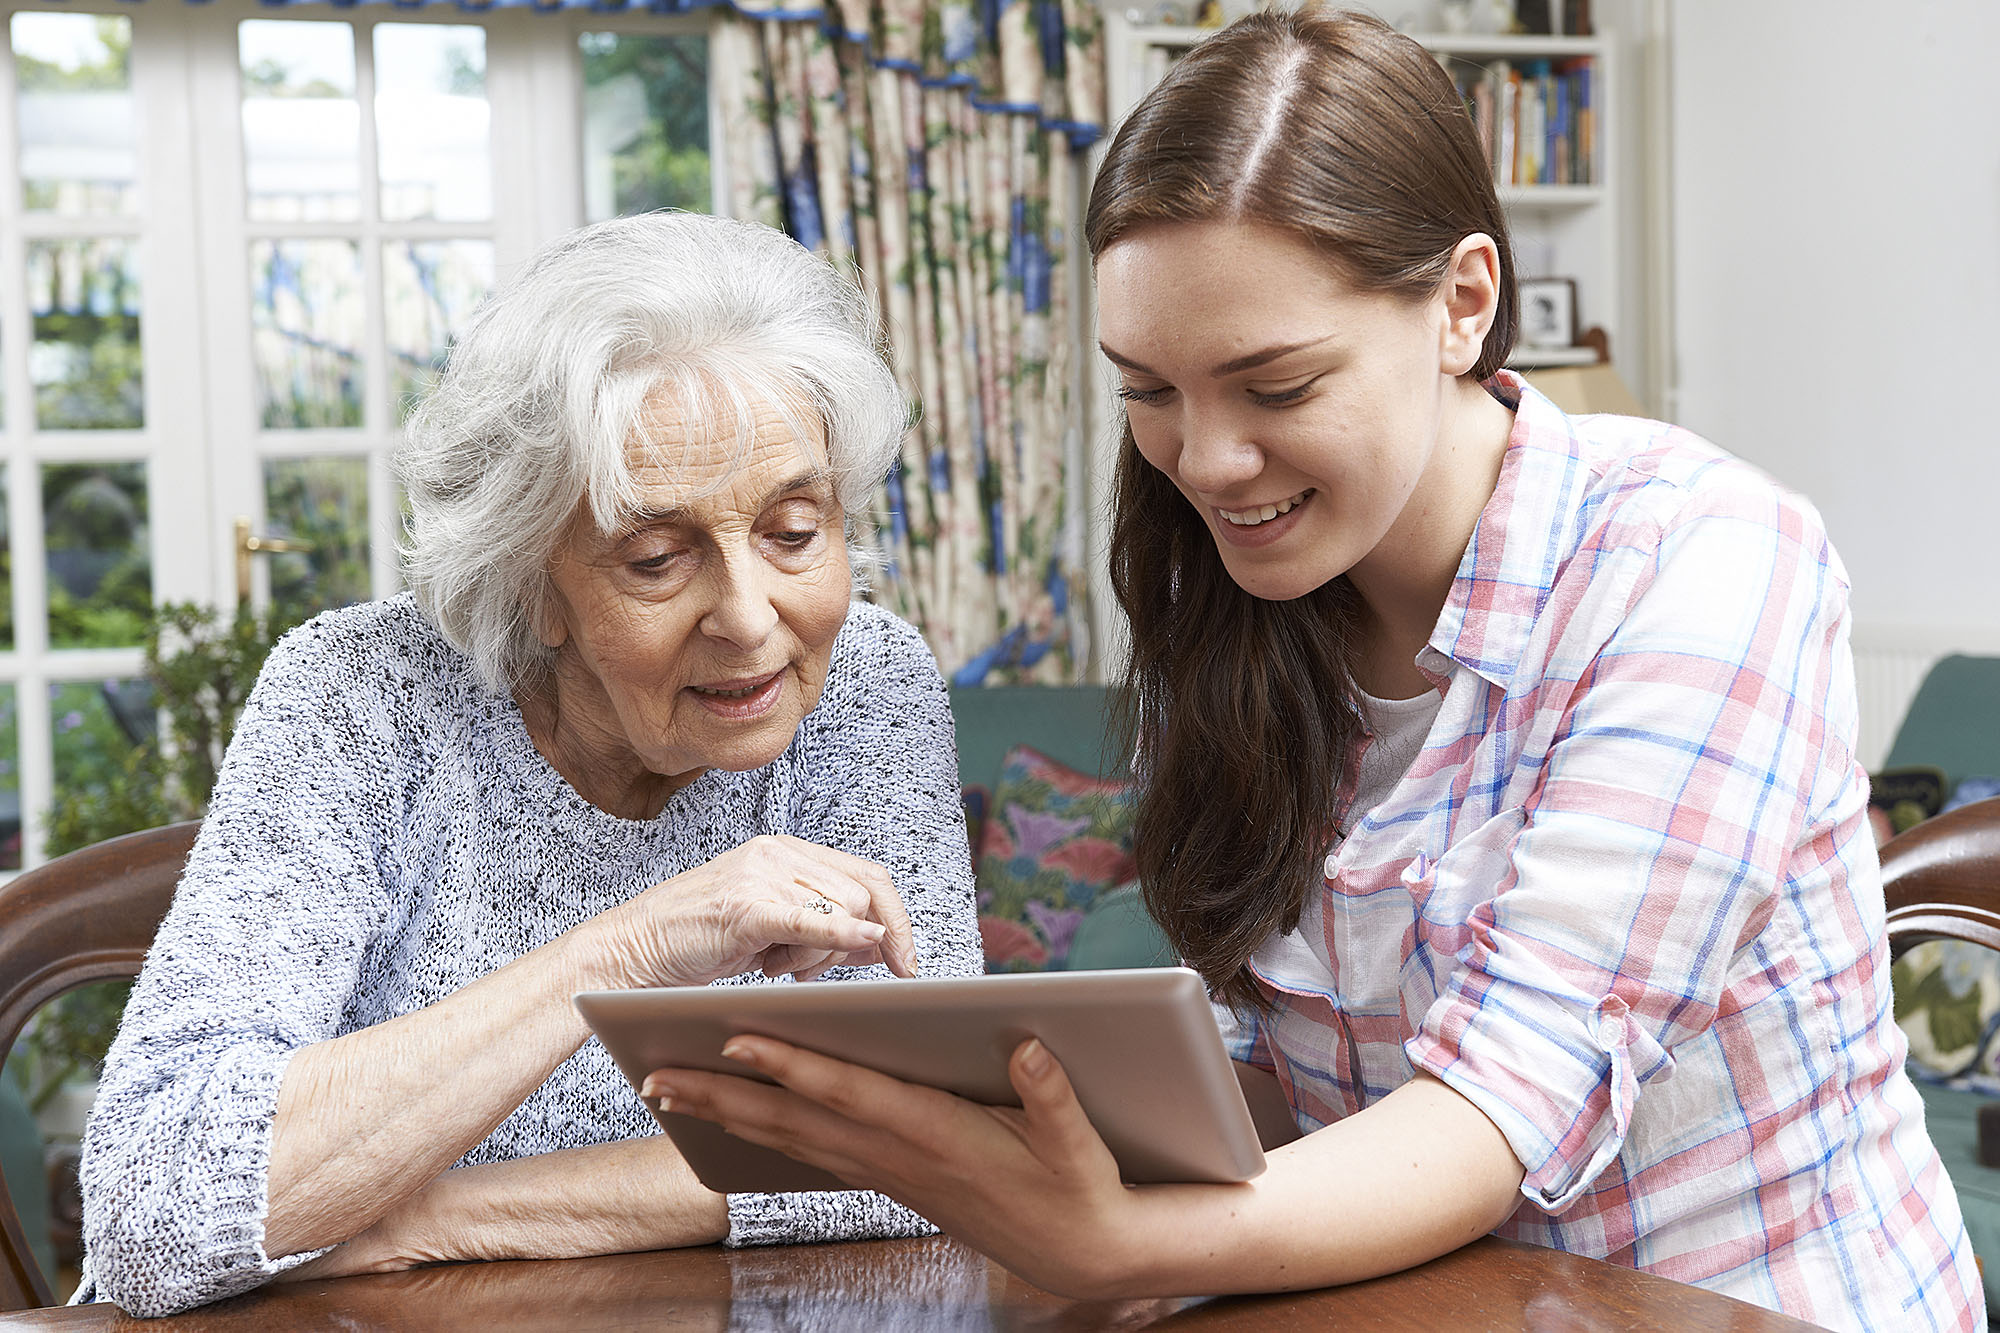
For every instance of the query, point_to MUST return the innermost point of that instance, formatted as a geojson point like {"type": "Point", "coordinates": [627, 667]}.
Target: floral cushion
{"type": "Point", "coordinates": [1948, 1005]}
{"type": "Point", "coordinates": [1054, 840]}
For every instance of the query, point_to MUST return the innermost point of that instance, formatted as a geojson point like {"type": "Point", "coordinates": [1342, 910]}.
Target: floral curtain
{"type": "Point", "coordinates": [934, 148]}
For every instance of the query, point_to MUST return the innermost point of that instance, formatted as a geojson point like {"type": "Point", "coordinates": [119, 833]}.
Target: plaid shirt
{"type": "Point", "coordinates": [1626, 899]}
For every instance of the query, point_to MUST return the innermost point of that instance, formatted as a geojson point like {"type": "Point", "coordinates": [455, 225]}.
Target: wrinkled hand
{"type": "Point", "coordinates": [1035, 1188]}
{"type": "Point", "coordinates": [759, 906]}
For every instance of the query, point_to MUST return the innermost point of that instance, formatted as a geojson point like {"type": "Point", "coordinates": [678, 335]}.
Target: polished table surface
{"type": "Point", "coordinates": [933, 1284]}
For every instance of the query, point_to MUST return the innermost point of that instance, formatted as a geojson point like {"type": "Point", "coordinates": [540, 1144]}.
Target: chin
{"type": "Point", "coordinates": [1275, 585]}
{"type": "Point", "coordinates": [753, 752]}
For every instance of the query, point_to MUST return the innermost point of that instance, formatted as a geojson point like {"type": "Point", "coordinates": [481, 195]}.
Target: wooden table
{"type": "Point", "coordinates": [933, 1284]}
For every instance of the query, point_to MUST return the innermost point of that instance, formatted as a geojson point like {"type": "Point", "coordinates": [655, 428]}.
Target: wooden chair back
{"type": "Point", "coordinates": [1942, 879]}
{"type": "Point", "coordinates": [88, 916]}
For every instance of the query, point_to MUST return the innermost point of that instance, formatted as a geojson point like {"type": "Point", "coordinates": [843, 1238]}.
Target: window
{"type": "Point", "coordinates": [237, 240]}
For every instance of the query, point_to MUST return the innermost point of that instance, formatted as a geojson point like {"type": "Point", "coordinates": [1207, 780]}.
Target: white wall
{"type": "Point", "coordinates": [1836, 174]}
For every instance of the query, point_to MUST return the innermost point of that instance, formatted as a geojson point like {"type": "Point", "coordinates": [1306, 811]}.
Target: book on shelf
{"type": "Point", "coordinates": [1553, 18]}
{"type": "Point", "coordinates": [1536, 119]}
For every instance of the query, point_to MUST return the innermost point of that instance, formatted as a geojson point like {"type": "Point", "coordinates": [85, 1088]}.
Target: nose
{"type": "Point", "coordinates": [742, 613]}
{"type": "Point", "coordinates": [1216, 454]}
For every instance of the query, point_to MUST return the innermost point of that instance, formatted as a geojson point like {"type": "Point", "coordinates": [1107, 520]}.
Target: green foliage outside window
{"type": "Point", "coordinates": [666, 165]}
{"type": "Point", "coordinates": [109, 72]}
{"type": "Point", "coordinates": [100, 588]}
{"type": "Point", "coordinates": [102, 384]}
{"type": "Point", "coordinates": [201, 666]}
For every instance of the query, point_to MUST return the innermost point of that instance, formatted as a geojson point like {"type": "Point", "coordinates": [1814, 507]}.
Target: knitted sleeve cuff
{"type": "Point", "coordinates": [785, 1219]}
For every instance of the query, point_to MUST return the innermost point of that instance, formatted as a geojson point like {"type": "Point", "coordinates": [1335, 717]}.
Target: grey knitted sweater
{"type": "Point", "coordinates": [384, 832]}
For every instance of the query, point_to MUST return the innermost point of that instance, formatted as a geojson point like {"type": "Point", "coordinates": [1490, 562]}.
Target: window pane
{"type": "Point", "coordinates": [323, 501]}
{"type": "Point", "coordinates": [305, 299]}
{"type": "Point", "coordinates": [431, 122]}
{"type": "Point", "coordinates": [100, 570]}
{"type": "Point", "coordinates": [429, 290]}
{"type": "Point", "coordinates": [301, 122]}
{"type": "Point", "coordinates": [97, 725]}
{"type": "Point", "coordinates": [78, 132]}
{"type": "Point", "coordinates": [10, 781]}
{"type": "Point", "coordinates": [645, 123]}
{"type": "Point", "coordinates": [84, 362]}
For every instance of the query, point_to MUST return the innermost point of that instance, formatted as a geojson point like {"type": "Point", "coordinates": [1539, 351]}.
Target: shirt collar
{"type": "Point", "coordinates": [1524, 535]}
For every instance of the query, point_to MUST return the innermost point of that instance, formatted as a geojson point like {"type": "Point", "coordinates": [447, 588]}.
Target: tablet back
{"type": "Point", "coordinates": [1140, 1046]}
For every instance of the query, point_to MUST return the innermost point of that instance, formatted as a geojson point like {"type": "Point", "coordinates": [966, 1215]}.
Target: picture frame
{"type": "Point", "coordinates": [1548, 312]}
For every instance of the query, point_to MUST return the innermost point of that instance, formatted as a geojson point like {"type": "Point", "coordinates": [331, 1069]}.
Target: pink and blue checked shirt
{"type": "Point", "coordinates": [1626, 900]}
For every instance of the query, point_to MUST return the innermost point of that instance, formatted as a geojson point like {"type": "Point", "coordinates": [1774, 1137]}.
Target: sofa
{"type": "Point", "coordinates": [1004, 734]}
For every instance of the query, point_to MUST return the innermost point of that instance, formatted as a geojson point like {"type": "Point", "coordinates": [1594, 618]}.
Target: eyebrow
{"type": "Point", "coordinates": [818, 480]}
{"type": "Point", "coordinates": [1227, 368]}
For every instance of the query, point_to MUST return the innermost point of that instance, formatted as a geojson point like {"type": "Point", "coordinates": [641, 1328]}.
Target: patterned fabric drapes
{"type": "Point", "coordinates": [934, 148]}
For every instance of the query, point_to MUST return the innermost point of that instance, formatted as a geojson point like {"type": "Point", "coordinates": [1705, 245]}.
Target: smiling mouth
{"type": "Point", "coordinates": [735, 691]}
{"type": "Point", "coordinates": [1250, 518]}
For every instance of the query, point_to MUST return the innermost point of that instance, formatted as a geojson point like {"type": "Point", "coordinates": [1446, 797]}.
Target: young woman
{"type": "Point", "coordinates": [1496, 769]}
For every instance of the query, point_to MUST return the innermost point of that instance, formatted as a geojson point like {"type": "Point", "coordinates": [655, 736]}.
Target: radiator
{"type": "Point", "coordinates": [1886, 677]}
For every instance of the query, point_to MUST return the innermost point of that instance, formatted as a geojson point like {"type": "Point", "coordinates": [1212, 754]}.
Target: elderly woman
{"type": "Point", "coordinates": [629, 728]}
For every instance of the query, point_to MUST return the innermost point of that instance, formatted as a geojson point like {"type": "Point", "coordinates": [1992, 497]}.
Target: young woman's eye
{"type": "Point", "coordinates": [1283, 397]}
{"type": "Point", "coordinates": [1148, 396]}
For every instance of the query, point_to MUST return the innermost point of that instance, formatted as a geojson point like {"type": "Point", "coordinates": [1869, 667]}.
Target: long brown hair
{"type": "Point", "coordinates": [1334, 127]}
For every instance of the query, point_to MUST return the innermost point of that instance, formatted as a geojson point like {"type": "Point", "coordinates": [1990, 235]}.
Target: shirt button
{"type": "Point", "coordinates": [1332, 865]}
{"type": "Point", "coordinates": [1610, 1033]}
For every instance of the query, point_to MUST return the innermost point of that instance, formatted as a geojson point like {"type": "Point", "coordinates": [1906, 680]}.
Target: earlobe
{"type": "Point", "coordinates": [1471, 292]}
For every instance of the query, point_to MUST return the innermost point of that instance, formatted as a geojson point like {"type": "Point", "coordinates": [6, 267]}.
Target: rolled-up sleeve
{"type": "Point", "coordinates": [1690, 751]}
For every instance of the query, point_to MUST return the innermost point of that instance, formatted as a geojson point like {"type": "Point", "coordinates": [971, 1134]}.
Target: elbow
{"type": "Point", "coordinates": [149, 1254]}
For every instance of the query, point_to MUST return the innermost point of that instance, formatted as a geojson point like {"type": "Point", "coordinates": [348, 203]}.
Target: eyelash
{"type": "Point", "coordinates": [1285, 398]}
{"type": "Point", "coordinates": [1153, 397]}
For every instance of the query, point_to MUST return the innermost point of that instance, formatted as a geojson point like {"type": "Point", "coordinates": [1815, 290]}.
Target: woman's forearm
{"type": "Point", "coordinates": [366, 1119]}
{"type": "Point", "coordinates": [1417, 1175]}
{"type": "Point", "coordinates": [609, 1199]}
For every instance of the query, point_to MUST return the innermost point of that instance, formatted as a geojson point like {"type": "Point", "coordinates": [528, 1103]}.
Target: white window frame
{"type": "Point", "coordinates": [201, 441]}
{"type": "Point", "coordinates": [171, 441]}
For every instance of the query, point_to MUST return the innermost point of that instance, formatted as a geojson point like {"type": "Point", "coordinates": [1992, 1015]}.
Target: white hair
{"type": "Point", "coordinates": [552, 384]}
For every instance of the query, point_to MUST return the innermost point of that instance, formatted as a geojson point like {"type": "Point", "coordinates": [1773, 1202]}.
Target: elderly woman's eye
{"type": "Point", "coordinates": [798, 541]}
{"type": "Point", "coordinates": [653, 564]}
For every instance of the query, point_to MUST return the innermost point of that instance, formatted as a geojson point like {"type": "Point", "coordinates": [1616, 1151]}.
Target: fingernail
{"type": "Point", "coordinates": [666, 1105]}
{"type": "Point", "coordinates": [741, 1052]}
{"type": "Point", "coordinates": [874, 930]}
{"type": "Point", "coordinates": [1035, 1058]}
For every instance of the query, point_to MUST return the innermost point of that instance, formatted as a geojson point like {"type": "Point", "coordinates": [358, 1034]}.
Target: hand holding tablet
{"type": "Point", "coordinates": [1140, 1048]}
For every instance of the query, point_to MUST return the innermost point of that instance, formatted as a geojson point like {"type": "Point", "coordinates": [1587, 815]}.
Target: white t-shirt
{"type": "Point", "coordinates": [1397, 728]}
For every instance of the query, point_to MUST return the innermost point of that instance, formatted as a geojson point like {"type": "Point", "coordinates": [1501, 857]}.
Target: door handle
{"type": "Point", "coordinates": [249, 544]}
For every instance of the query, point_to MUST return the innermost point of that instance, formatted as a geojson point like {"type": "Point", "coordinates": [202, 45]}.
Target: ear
{"type": "Point", "coordinates": [1470, 291]}
{"type": "Point", "coordinates": [549, 615]}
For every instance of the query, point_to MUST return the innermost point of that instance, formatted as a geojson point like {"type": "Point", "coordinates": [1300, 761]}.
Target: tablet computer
{"type": "Point", "coordinates": [1141, 1048]}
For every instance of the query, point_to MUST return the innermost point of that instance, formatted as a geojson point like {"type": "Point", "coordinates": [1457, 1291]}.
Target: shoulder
{"type": "Point", "coordinates": [1652, 482]}
{"type": "Point", "coordinates": [387, 638]}
{"type": "Point", "coordinates": [878, 657]}
{"type": "Point", "coordinates": [882, 693]}
{"type": "Point", "coordinates": [379, 659]}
